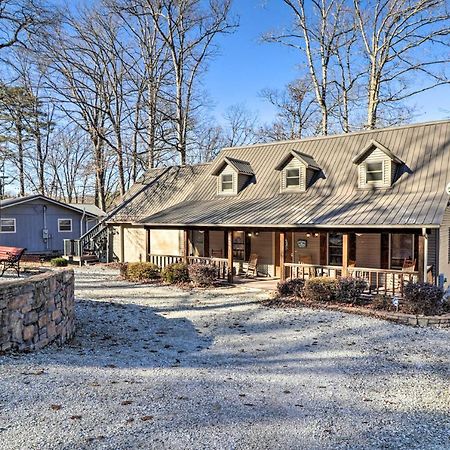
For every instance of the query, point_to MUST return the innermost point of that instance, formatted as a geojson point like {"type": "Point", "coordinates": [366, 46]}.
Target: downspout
{"type": "Point", "coordinates": [425, 255]}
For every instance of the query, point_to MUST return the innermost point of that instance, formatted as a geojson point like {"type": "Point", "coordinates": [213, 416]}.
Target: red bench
{"type": "Point", "coordinates": [10, 258]}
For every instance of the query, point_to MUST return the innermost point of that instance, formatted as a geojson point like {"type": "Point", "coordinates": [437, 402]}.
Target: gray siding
{"type": "Point", "coordinates": [444, 242]}
{"type": "Point", "coordinates": [30, 223]}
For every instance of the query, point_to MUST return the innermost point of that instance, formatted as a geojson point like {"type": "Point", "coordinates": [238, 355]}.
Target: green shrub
{"type": "Point", "coordinates": [320, 289]}
{"type": "Point", "coordinates": [349, 290]}
{"type": "Point", "coordinates": [175, 273]}
{"type": "Point", "coordinates": [291, 287]}
{"type": "Point", "coordinates": [202, 274]}
{"type": "Point", "coordinates": [422, 298]}
{"type": "Point", "coordinates": [141, 271]}
{"type": "Point", "coordinates": [59, 262]}
{"type": "Point", "coordinates": [382, 301]}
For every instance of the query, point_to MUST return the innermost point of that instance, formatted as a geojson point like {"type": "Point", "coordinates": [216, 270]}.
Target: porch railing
{"type": "Point", "coordinates": [221, 264]}
{"type": "Point", "coordinates": [380, 281]}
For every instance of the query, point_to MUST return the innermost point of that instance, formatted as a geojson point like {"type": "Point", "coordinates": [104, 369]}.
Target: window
{"type": "Point", "coordinates": [292, 178]}
{"type": "Point", "coordinates": [64, 225]}
{"type": "Point", "coordinates": [335, 249]}
{"type": "Point", "coordinates": [7, 225]}
{"type": "Point", "coordinates": [402, 247]}
{"type": "Point", "coordinates": [374, 172]}
{"type": "Point", "coordinates": [227, 182]}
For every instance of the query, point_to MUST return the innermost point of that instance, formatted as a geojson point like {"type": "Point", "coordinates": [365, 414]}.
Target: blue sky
{"type": "Point", "coordinates": [246, 65]}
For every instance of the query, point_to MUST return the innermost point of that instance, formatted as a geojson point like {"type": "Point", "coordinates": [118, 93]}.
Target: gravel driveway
{"type": "Point", "coordinates": [154, 367]}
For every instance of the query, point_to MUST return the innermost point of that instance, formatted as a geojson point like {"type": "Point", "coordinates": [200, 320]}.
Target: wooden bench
{"type": "Point", "coordinates": [10, 258]}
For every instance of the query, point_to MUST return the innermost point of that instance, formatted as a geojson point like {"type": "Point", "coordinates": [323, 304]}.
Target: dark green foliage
{"type": "Point", "coordinates": [141, 271]}
{"type": "Point", "coordinates": [291, 287]}
{"type": "Point", "coordinates": [202, 274]}
{"type": "Point", "coordinates": [382, 301]}
{"type": "Point", "coordinates": [349, 290]}
{"type": "Point", "coordinates": [59, 262]}
{"type": "Point", "coordinates": [321, 289]}
{"type": "Point", "coordinates": [175, 273]}
{"type": "Point", "coordinates": [422, 298]}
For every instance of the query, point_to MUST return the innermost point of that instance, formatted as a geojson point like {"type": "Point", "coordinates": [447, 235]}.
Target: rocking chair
{"type": "Point", "coordinates": [252, 265]}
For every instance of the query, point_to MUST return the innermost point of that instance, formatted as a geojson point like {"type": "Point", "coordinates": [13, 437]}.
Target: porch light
{"type": "Point", "coordinates": [308, 234]}
{"type": "Point", "coordinates": [316, 234]}
{"type": "Point", "coordinates": [249, 234]}
{"type": "Point", "coordinates": [256, 233]}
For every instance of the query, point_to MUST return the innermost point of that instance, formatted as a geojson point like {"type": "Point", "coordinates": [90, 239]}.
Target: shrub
{"type": "Point", "coordinates": [175, 273]}
{"type": "Point", "coordinates": [141, 271]}
{"type": "Point", "coordinates": [382, 301]}
{"type": "Point", "coordinates": [123, 267]}
{"type": "Point", "coordinates": [291, 287]}
{"type": "Point", "coordinates": [349, 290]}
{"type": "Point", "coordinates": [59, 262]}
{"type": "Point", "coordinates": [202, 274]}
{"type": "Point", "coordinates": [423, 298]}
{"type": "Point", "coordinates": [321, 289]}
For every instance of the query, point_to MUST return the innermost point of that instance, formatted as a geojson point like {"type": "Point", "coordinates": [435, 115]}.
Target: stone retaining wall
{"type": "Point", "coordinates": [37, 311]}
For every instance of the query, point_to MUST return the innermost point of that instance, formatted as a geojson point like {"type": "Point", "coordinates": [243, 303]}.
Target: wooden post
{"type": "Point", "coordinates": [345, 249]}
{"type": "Point", "coordinates": [230, 256]}
{"type": "Point", "coordinates": [185, 245]}
{"type": "Point", "coordinates": [206, 243]}
{"type": "Point", "coordinates": [282, 255]}
{"type": "Point", "coordinates": [122, 243]}
{"type": "Point", "coordinates": [421, 259]}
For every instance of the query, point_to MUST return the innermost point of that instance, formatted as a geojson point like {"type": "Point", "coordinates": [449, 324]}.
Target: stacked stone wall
{"type": "Point", "coordinates": [37, 311]}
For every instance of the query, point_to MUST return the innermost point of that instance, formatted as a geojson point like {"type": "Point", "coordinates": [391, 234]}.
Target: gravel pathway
{"type": "Point", "coordinates": [153, 367]}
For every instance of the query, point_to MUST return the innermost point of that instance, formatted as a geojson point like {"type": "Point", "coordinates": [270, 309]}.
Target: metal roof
{"type": "Point", "coordinates": [187, 195]}
{"type": "Point", "coordinates": [7, 203]}
{"type": "Point", "coordinates": [241, 167]}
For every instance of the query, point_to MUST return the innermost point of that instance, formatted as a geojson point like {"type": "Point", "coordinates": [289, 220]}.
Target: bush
{"type": "Point", "coordinates": [291, 287]}
{"type": "Point", "coordinates": [123, 267]}
{"type": "Point", "coordinates": [202, 274]}
{"type": "Point", "coordinates": [382, 301]}
{"type": "Point", "coordinates": [422, 298]}
{"type": "Point", "coordinates": [175, 273]}
{"type": "Point", "coordinates": [59, 262]}
{"type": "Point", "coordinates": [140, 271]}
{"type": "Point", "coordinates": [321, 289]}
{"type": "Point", "coordinates": [349, 290]}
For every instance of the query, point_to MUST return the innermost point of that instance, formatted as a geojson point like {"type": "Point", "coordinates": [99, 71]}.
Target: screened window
{"type": "Point", "coordinates": [227, 182]}
{"type": "Point", "coordinates": [402, 247]}
{"type": "Point", "coordinates": [64, 225]}
{"type": "Point", "coordinates": [292, 178]}
{"type": "Point", "coordinates": [374, 172]}
{"type": "Point", "coordinates": [335, 249]}
{"type": "Point", "coordinates": [7, 225]}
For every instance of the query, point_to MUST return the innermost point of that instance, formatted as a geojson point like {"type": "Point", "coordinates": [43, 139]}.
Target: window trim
{"type": "Point", "coordinates": [231, 182]}
{"type": "Point", "coordinates": [65, 231]}
{"type": "Point", "coordinates": [286, 178]}
{"type": "Point", "coordinates": [377, 171]}
{"type": "Point", "coordinates": [14, 222]}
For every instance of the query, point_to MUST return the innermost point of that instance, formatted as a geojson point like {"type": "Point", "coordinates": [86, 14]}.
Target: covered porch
{"type": "Point", "coordinates": [386, 259]}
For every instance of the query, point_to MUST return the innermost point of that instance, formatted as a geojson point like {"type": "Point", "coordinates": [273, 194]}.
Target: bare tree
{"type": "Point", "coordinates": [297, 112]}
{"type": "Point", "coordinates": [188, 28]}
{"type": "Point", "coordinates": [403, 39]}
{"type": "Point", "coordinates": [317, 30]}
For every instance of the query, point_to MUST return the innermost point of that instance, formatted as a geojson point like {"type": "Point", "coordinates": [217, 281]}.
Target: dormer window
{"type": "Point", "coordinates": [227, 182]}
{"type": "Point", "coordinates": [377, 166]}
{"type": "Point", "coordinates": [233, 175]}
{"type": "Point", "coordinates": [297, 171]}
{"type": "Point", "coordinates": [292, 178]}
{"type": "Point", "coordinates": [374, 172]}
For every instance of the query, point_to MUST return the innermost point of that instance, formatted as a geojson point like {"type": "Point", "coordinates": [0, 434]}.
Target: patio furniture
{"type": "Point", "coordinates": [10, 258]}
{"type": "Point", "coordinates": [409, 265]}
{"type": "Point", "coordinates": [252, 265]}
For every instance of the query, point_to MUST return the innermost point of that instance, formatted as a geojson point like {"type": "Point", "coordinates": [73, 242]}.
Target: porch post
{"type": "Point", "coordinates": [185, 245]}
{"type": "Point", "coordinates": [122, 243]}
{"type": "Point", "coordinates": [230, 256]}
{"type": "Point", "coordinates": [345, 254]}
{"type": "Point", "coordinates": [421, 263]}
{"type": "Point", "coordinates": [282, 255]}
{"type": "Point", "coordinates": [206, 243]}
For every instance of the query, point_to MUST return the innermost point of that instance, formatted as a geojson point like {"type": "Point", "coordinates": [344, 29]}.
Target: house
{"type": "Point", "coordinates": [371, 204]}
{"type": "Point", "coordinates": [41, 224]}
